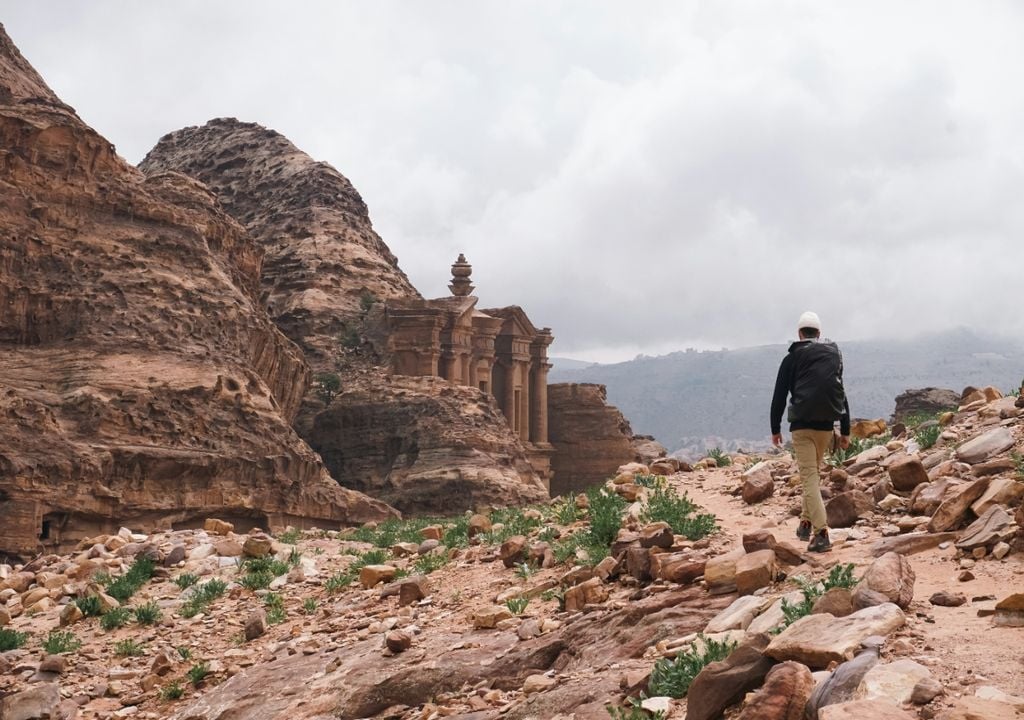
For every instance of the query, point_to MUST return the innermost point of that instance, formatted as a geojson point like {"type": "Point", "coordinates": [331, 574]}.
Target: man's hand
{"type": "Point", "coordinates": [844, 441]}
{"type": "Point", "coordinates": [777, 440]}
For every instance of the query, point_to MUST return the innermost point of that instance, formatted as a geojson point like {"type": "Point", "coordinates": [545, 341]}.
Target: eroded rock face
{"type": "Point", "coordinates": [591, 438]}
{"type": "Point", "coordinates": [925, 401]}
{"type": "Point", "coordinates": [424, 445]}
{"type": "Point", "coordinates": [142, 382]}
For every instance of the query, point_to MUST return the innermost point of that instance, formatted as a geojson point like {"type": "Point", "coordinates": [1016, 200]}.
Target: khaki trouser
{"type": "Point", "coordinates": [810, 446]}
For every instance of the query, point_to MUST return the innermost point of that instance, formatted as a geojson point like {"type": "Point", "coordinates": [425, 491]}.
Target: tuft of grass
{"type": "Point", "coordinates": [184, 652]}
{"type": "Point", "coordinates": [377, 556]}
{"type": "Point", "coordinates": [148, 614]}
{"type": "Point", "coordinates": [113, 619]}
{"type": "Point", "coordinates": [201, 597]}
{"type": "Point", "coordinates": [186, 580]}
{"type": "Point", "coordinates": [339, 581]}
{"type": "Point", "coordinates": [426, 564]}
{"type": "Point", "coordinates": [648, 480]}
{"type": "Point", "coordinates": [11, 639]}
{"type": "Point", "coordinates": [510, 521]}
{"type": "Point", "coordinates": [290, 536]}
{"type": "Point", "coordinates": [673, 677]}
{"type": "Point", "coordinates": [633, 712]}
{"type": "Point", "coordinates": [840, 576]}
{"type": "Point", "coordinates": [128, 648]}
{"type": "Point", "coordinates": [665, 505]}
{"type": "Point", "coordinates": [605, 511]}
{"type": "Point", "coordinates": [566, 512]}
{"type": "Point", "coordinates": [275, 608]}
{"type": "Point", "coordinates": [927, 436]}
{"type": "Point", "coordinates": [309, 606]}
{"type": "Point", "coordinates": [197, 673]}
{"type": "Point", "coordinates": [61, 641]}
{"type": "Point", "coordinates": [258, 573]}
{"type": "Point", "coordinates": [124, 586]}
{"type": "Point", "coordinates": [517, 605]}
{"type": "Point", "coordinates": [524, 571]}
{"type": "Point", "coordinates": [720, 457]}
{"type": "Point", "coordinates": [89, 605]}
{"type": "Point", "coordinates": [172, 691]}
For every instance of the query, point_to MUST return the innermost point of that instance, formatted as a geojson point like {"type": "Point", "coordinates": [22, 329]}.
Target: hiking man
{"type": "Point", "coordinates": [811, 375]}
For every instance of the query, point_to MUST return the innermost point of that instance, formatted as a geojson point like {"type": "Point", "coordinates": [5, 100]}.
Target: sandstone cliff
{"type": "Point", "coordinates": [140, 382]}
{"type": "Point", "coordinates": [415, 441]}
{"type": "Point", "coordinates": [591, 438]}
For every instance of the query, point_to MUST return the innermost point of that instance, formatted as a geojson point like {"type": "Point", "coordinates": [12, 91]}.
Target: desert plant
{"type": "Point", "coordinates": [61, 641]}
{"type": "Point", "coordinates": [426, 564]}
{"type": "Point", "coordinates": [665, 505]}
{"type": "Point", "coordinates": [294, 557]}
{"type": "Point", "coordinates": [605, 511]}
{"type": "Point", "coordinates": [327, 385]}
{"type": "Point", "coordinates": [11, 639]}
{"type": "Point", "coordinates": [89, 605]}
{"type": "Point", "coordinates": [186, 580]}
{"type": "Point", "coordinates": [672, 677]}
{"type": "Point", "coordinates": [172, 691]}
{"type": "Point", "coordinates": [927, 436]}
{"type": "Point", "coordinates": [184, 653]}
{"type": "Point", "coordinates": [840, 576]}
{"type": "Point", "coordinates": [128, 648]}
{"type": "Point", "coordinates": [1018, 461]}
{"type": "Point", "coordinates": [309, 606]}
{"type": "Point", "coordinates": [517, 605]}
{"type": "Point", "coordinates": [366, 300]}
{"type": "Point", "coordinates": [201, 597]}
{"type": "Point", "coordinates": [548, 534]}
{"type": "Point", "coordinates": [338, 581]}
{"type": "Point", "coordinates": [720, 457]}
{"type": "Point", "coordinates": [456, 533]}
{"type": "Point", "coordinates": [197, 673]}
{"type": "Point", "coordinates": [565, 511]}
{"type": "Point", "coordinates": [275, 608]}
{"type": "Point", "coordinates": [524, 571]}
{"type": "Point", "coordinates": [378, 556]}
{"type": "Point", "coordinates": [115, 618]}
{"type": "Point", "coordinates": [147, 614]}
{"type": "Point", "coordinates": [633, 712]}
{"type": "Point", "coordinates": [648, 480]}
{"type": "Point", "coordinates": [290, 536]}
{"type": "Point", "coordinates": [124, 586]}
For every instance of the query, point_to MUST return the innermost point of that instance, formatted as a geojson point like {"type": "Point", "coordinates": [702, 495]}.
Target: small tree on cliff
{"type": "Point", "coordinates": [327, 386]}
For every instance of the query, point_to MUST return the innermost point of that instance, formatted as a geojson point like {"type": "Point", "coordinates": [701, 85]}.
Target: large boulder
{"type": "Point", "coordinates": [986, 445]}
{"type": "Point", "coordinates": [907, 473]}
{"type": "Point", "coordinates": [841, 685]}
{"type": "Point", "coordinates": [924, 401]}
{"type": "Point", "coordinates": [996, 525]}
{"type": "Point", "coordinates": [817, 640]}
{"type": "Point", "coordinates": [955, 505]}
{"type": "Point", "coordinates": [758, 483]}
{"type": "Point", "coordinates": [890, 576]}
{"type": "Point", "coordinates": [846, 508]}
{"type": "Point", "coordinates": [724, 683]}
{"type": "Point", "coordinates": [894, 681]}
{"type": "Point", "coordinates": [783, 696]}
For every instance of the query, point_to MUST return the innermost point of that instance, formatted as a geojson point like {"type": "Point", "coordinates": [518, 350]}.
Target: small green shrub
{"type": "Point", "coordinates": [339, 581]}
{"type": "Point", "coordinates": [11, 639]}
{"type": "Point", "coordinates": [327, 385]}
{"type": "Point", "coordinates": [605, 512]}
{"type": "Point", "coordinates": [350, 339]}
{"type": "Point", "coordinates": [456, 534]}
{"type": "Point", "coordinates": [201, 597]}
{"type": "Point", "coordinates": [184, 652]}
{"type": "Point", "coordinates": [366, 300]}
{"type": "Point", "coordinates": [172, 691]}
{"type": "Point", "coordinates": [426, 564]}
{"type": "Point", "coordinates": [148, 614]}
{"type": "Point", "coordinates": [524, 571]}
{"type": "Point", "coordinates": [309, 606]}
{"type": "Point", "coordinates": [1018, 461]}
{"type": "Point", "coordinates": [517, 605]}
{"type": "Point", "coordinates": [378, 556]}
{"type": "Point", "coordinates": [840, 576]}
{"type": "Point", "coordinates": [565, 550]}
{"type": "Point", "coordinates": [927, 436]}
{"type": "Point", "coordinates": [186, 580]}
{"type": "Point", "coordinates": [673, 677]}
{"type": "Point", "coordinates": [128, 648]}
{"type": "Point", "coordinates": [290, 536]}
{"type": "Point", "coordinates": [89, 605]}
{"type": "Point", "coordinates": [633, 712]}
{"type": "Point", "coordinates": [115, 618]}
{"type": "Point", "coordinates": [566, 512]}
{"type": "Point", "coordinates": [665, 505]}
{"type": "Point", "coordinates": [256, 580]}
{"type": "Point", "coordinates": [197, 673]}
{"type": "Point", "coordinates": [124, 586]}
{"type": "Point", "coordinates": [294, 558]}
{"type": "Point", "coordinates": [648, 480]}
{"type": "Point", "coordinates": [275, 608]}
{"type": "Point", "coordinates": [720, 457]}
{"type": "Point", "coordinates": [61, 641]}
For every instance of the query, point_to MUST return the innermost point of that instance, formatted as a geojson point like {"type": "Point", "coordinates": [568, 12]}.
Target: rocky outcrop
{"type": "Point", "coordinates": [424, 445]}
{"type": "Point", "coordinates": [324, 262]}
{"type": "Point", "coordinates": [591, 438]}
{"type": "Point", "coordinates": [924, 401]}
{"type": "Point", "coordinates": [140, 380]}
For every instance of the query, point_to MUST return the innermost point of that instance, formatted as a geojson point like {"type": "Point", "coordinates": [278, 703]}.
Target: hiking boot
{"type": "Point", "coordinates": [803, 530]}
{"type": "Point", "coordinates": [820, 542]}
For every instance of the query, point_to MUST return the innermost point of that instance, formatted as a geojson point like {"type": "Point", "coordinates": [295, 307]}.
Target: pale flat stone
{"type": "Point", "coordinates": [986, 445]}
{"type": "Point", "coordinates": [864, 710]}
{"type": "Point", "coordinates": [893, 681]}
{"type": "Point", "coordinates": [737, 616]}
{"type": "Point", "coordinates": [773, 617]}
{"type": "Point", "coordinates": [817, 640]}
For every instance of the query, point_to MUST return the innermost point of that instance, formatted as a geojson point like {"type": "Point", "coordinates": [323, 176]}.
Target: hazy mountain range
{"type": "Point", "coordinates": [691, 400]}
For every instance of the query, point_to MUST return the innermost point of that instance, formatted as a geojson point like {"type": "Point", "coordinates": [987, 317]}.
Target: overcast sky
{"type": "Point", "coordinates": [641, 177]}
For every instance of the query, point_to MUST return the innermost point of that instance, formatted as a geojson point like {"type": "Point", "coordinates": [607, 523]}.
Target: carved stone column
{"type": "Point", "coordinates": [539, 376]}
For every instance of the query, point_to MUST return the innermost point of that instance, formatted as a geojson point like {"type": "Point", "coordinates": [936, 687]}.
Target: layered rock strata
{"type": "Point", "coordinates": [591, 438]}
{"type": "Point", "coordinates": [140, 382]}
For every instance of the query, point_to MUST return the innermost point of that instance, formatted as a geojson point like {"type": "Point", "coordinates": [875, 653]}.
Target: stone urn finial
{"type": "Point", "coordinates": [461, 286]}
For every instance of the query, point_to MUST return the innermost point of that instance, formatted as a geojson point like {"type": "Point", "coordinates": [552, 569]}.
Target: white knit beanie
{"type": "Point", "coordinates": [809, 320]}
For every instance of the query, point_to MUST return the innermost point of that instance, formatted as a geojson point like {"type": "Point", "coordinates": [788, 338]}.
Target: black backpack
{"type": "Point", "coordinates": [817, 393]}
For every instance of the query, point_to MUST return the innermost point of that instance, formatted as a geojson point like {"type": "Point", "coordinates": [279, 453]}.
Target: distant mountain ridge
{"type": "Point", "coordinates": [693, 400]}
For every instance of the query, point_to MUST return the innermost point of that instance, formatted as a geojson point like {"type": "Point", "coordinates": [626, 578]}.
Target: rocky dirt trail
{"type": "Point", "coordinates": [559, 610]}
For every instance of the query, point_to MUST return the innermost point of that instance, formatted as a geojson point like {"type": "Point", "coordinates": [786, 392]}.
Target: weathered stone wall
{"type": "Point", "coordinates": [140, 381]}
{"type": "Point", "coordinates": [591, 438]}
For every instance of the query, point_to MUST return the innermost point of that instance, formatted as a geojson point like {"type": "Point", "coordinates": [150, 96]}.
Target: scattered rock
{"type": "Point", "coordinates": [986, 445]}
{"type": "Point", "coordinates": [1009, 612]}
{"type": "Point", "coordinates": [947, 599]}
{"type": "Point", "coordinates": [36, 703]}
{"type": "Point", "coordinates": [891, 576]}
{"type": "Point", "coordinates": [783, 696]}
{"type": "Point", "coordinates": [538, 683]}
{"type": "Point", "coordinates": [846, 508]}
{"type": "Point", "coordinates": [255, 624]}
{"type": "Point", "coordinates": [907, 473]}
{"type": "Point", "coordinates": [817, 640]}
{"type": "Point", "coordinates": [724, 683]}
{"type": "Point", "coordinates": [398, 641]}
{"type": "Point", "coordinates": [755, 571]}
{"type": "Point", "coordinates": [996, 525]}
{"type": "Point", "coordinates": [836, 601]}
{"type": "Point", "coordinates": [864, 710]}
{"type": "Point", "coordinates": [489, 617]}
{"type": "Point", "coordinates": [218, 527]}
{"type": "Point", "coordinates": [258, 545]}
{"type": "Point", "coordinates": [893, 681]}
{"type": "Point", "coordinates": [371, 575]}
{"type": "Point", "coordinates": [758, 484]}
{"type": "Point", "coordinates": [738, 615]}
{"type": "Point", "coordinates": [513, 551]}
{"type": "Point", "coordinates": [589, 592]}
{"type": "Point", "coordinates": [841, 685]}
{"type": "Point", "coordinates": [973, 708]}
{"type": "Point", "coordinates": [926, 690]}
{"type": "Point", "coordinates": [911, 543]}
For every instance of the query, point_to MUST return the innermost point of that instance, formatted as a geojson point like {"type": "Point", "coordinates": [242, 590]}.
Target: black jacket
{"type": "Point", "coordinates": [811, 374]}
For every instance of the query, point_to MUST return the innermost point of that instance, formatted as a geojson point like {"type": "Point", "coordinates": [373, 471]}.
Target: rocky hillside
{"type": "Point", "coordinates": [416, 442]}
{"type": "Point", "coordinates": [140, 380]}
{"type": "Point", "coordinates": [562, 610]}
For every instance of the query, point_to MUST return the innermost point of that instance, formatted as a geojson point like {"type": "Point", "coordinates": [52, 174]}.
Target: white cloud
{"type": "Point", "coordinates": [638, 177]}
